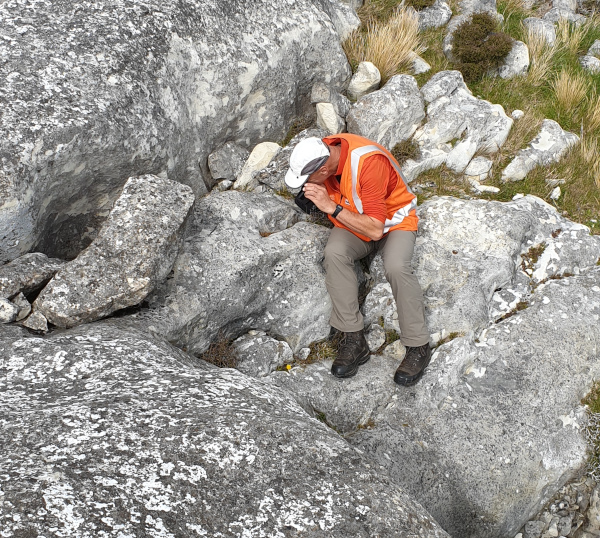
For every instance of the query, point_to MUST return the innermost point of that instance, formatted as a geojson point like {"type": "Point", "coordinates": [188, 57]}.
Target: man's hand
{"type": "Point", "coordinates": [318, 195]}
{"type": "Point", "coordinates": [362, 224]}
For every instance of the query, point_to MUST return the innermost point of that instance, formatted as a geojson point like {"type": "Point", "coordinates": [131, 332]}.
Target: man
{"type": "Point", "coordinates": [358, 184]}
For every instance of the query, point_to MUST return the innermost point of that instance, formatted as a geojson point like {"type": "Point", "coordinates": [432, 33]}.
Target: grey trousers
{"type": "Point", "coordinates": [343, 249]}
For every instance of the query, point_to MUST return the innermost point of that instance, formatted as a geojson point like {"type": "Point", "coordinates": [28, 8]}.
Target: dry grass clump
{"type": "Point", "coordinates": [390, 46]}
{"type": "Point", "coordinates": [589, 149]}
{"type": "Point", "coordinates": [373, 11]}
{"type": "Point", "coordinates": [220, 353]}
{"type": "Point", "coordinates": [570, 36]}
{"type": "Point", "coordinates": [420, 4]}
{"type": "Point", "coordinates": [407, 149]}
{"type": "Point", "coordinates": [592, 118]}
{"type": "Point", "coordinates": [516, 6]}
{"type": "Point", "coordinates": [570, 89]}
{"type": "Point", "coordinates": [541, 56]}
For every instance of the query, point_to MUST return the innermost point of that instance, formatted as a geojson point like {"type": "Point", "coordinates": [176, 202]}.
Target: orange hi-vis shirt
{"type": "Point", "coordinates": [368, 181]}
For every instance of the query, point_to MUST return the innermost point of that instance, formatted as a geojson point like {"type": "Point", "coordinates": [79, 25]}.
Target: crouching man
{"type": "Point", "coordinates": [358, 184]}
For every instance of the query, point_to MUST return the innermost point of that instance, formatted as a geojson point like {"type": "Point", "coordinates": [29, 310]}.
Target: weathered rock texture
{"type": "Point", "coordinates": [134, 251]}
{"type": "Point", "coordinates": [487, 437]}
{"type": "Point", "coordinates": [26, 274]}
{"type": "Point", "coordinates": [95, 93]}
{"type": "Point", "coordinates": [248, 264]}
{"type": "Point", "coordinates": [107, 433]}
{"type": "Point", "coordinates": [258, 354]}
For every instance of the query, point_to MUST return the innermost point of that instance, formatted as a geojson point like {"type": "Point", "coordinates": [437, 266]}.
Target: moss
{"type": "Point", "coordinates": [407, 149]}
{"type": "Point", "coordinates": [368, 425]}
{"type": "Point", "coordinates": [531, 257]}
{"type": "Point", "coordinates": [377, 11]}
{"type": "Point", "coordinates": [420, 4]}
{"type": "Point", "coordinates": [479, 46]}
{"type": "Point", "coordinates": [390, 337]}
{"type": "Point", "coordinates": [220, 353]}
{"type": "Point", "coordinates": [521, 305]}
{"type": "Point", "coordinates": [284, 193]}
{"type": "Point", "coordinates": [449, 338]}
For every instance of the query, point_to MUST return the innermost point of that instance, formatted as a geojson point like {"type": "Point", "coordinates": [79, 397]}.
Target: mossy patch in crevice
{"type": "Point", "coordinates": [220, 352]}
{"type": "Point", "coordinates": [479, 46]}
{"type": "Point", "coordinates": [521, 305]}
{"type": "Point", "coordinates": [407, 149]}
{"type": "Point", "coordinates": [531, 257]}
{"type": "Point", "coordinates": [450, 337]}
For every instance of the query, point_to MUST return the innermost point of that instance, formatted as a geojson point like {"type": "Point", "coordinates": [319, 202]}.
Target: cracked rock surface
{"type": "Point", "coordinates": [108, 432]}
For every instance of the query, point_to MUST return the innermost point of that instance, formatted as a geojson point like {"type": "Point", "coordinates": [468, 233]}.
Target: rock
{"type": "Point", "coordinates": [142, 89]}
{"type": "Point", "coordinates": [224, 185]}
{"type": "Point", "coordinates": [542, 27]}
{"type": "Point", "coordinates": [389, 115]}
{"type": "Point", "coordinates": [354, 4]}
{"type": "Point", "coordinates": [428, 159]}
{"type": "Point", "coordinates": [36, 322]}
{"type": "Point", "coordinates": [365, 80]}
{"type": "Point", "coordinates": [516, 63]}
{"type": "Point", "coordinates": [594, 49]}
{"type": "Point", "coordinates": [434, 16]}
{"type": "Point", "coordinates": [273, 174]}
{"type": "Point", "coordinates": [478, 169]}
{"type": "Point", "coordinates": [343, 16]}
{"type": "Point", "coordinates": [227, 162]}
{"type": "Point", "coordinates": [479, 257]}
{"type": "Point", "coordinates": [450, 440]}
{"type": "Point", "coordinates": [534, 529]}
{"type": "Point", "coordinates": [485, 188]}
{"type": "Point", "coordinates": [375, 337]}
{"type": "Point", "coordinates": [556, 14]}
{"type": "Point", "coordinates": [453, 113]}
{"type": "Point", "coordinates": [27, 274]}
{"type": "Point", "coordinates": [322, 93]}
{"type": "Point", "coordinates": [555, 194]}
{"type": "Point", "coordinates": [260, 157]}
{"type": "Point", "coordinates": [468, 7]}
{"type": "Point", "coordinates": [8, 311]}
{"type": "Point", "coordinates": [594, 511]}
{"type": "Point", "coordinates": [21, 302]}
{"type": "Point", "coordinates": [304, 353]}
{"type": "Point", "coordinates": [259, 355]}
{"type": "Point", "coordinates": [248, 264]}
{"type": "Point", "coordinates": [109, 429]}
{"type": "Point", "coordinates": [134, 251]}
{"type": "Point", "coordinates": [419, 65]}
{"type": "Point", "coordinates": [328, 120]}
{"type": "Point", "coordinates": [546, 148]}
{"type": "Point", "coordinates": [570, 5]}
{"type": "Point", "coordinates": [590, 63]}
{"type": "Point", "coordinates": [517, 114]}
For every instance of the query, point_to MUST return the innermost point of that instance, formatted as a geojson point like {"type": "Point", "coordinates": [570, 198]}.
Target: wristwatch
{"type": "Point", "coordinates": [338, 208]}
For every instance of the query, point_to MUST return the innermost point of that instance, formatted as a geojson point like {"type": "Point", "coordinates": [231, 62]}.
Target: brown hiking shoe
{"type": "Point", "coordinates": [412, 367]}
{"type": "Point", "coordinates": [353, 351]}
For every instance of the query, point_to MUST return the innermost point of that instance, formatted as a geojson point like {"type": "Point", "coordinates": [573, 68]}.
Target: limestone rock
{"type": "Point", "coordinates": [389, 115]}
{"type": "Point", "coordinates": [478, 169]}
{"type": "Point", "coordinates": [590, 63]}
{"type": "Point", "coordinates": [594, 49]}
{"type": "Point", "coordinates": [8, 311]}
{"type": "Point", "coordinates": [517, 114]}
{"type": "Point", "coordinates": [224, 185]}
{"type": "Point", "coordinates": [428, 159]}
{"type": "Point", "coordinates": [442, 84]}
{"type": "Point", "coordinates": [36, 321]}
{"type": "Point", "coordinates": [468, 7]}
{"type": "Point", "coordinates": [570, 5]}
{"type": "Point", "coordinates": [21, 302]}
{"type": "Point", "coordinates": [248, 264]}
{"type": "Point", "coordinates": [109, 429]}
{"type": "Point", "coordinates": [461, 154]}
{"type": "Point", "coordinates": [516, 63]}
{"type": "Point", "coordinates": [273, 174]}
{"type": "Point", "coordinates": [134, 251]}
{"type": "Point", "coordinates": [227, 162]}
{"type": "Point", "coordinates": [542, 27]}
{"type": "Point", "coordinates": [322, 93]}
{"type": "Point", "coordinates": [546, 148]}
{"type": "Point", "coordinates": [113, 90]}
{"type": "Point", "coordinates": [434, 16]}
{"type": "Point", "coordinates": [26, 274]}
{"type": "Point", "coordinates": [375, 337]}
{"type": "Point", "coordinates": [343, 16]}
{"type": "Point", "coordinates": [419, 65]}
{"type": "Point", "coordinates": [261, 156]}
{"type": "Point", "coordinates": [259, 355]}
{"type": "Point", "coordinates": [365, 80]}
{"type": "Point", "coordinates": [328, 120]}
{"type": "Point", "coordinates": [450, 440]}
{"type": "Point", "coordinates": [556, 14]}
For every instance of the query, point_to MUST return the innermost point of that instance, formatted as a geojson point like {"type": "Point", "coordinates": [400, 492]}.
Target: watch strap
{"type": "Point", "coordinates": [338, 208]}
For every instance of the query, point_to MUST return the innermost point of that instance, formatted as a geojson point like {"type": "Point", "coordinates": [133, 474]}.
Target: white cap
{"type": "Point", "coordinates": [308, 156]}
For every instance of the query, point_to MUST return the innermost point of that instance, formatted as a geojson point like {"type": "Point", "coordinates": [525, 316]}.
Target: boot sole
{"type": "Point", "coordinates": [351, 373]}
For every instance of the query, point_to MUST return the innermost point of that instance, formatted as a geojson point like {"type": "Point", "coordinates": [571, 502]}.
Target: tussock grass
{"type": "Point", "coordinates": [377, 11]}
{"type": "Point", "coordinates": [571, 36]}
{"type": "Point", "coordinates": [570, 90]}
{"type": "Point", "coordinates": [390, 46]}
{"type": "Point", "coordinates": [541, 57]}
{"type": "Point", "coordinates": [592, 118]}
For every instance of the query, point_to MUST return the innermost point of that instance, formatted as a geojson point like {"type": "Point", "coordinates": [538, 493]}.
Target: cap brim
{"type": "Point", "coordinates": [294, 181]}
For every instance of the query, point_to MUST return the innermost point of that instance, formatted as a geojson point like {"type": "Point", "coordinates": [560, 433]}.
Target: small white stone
{"type": "Point", "coordinates": [304, 353]}
{"type": "Point", "coordinates": [8, 311]}
{"type": "Point", "coordinates": [36, 322]}
{"type": "Point", "coordinates": [517, 114]}
{"type": "Point", "coordinates": [555, 194]}
{"type": "Point", "coordinates": [261, 156]}
{"type": "Point", "coordinates": [420, 66]}
{"type": "Point", "coordinates": [365, 80]}
{"type": "Point", "coordinates": [328, 119]}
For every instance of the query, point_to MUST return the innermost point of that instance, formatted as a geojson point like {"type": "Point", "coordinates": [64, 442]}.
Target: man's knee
{"type": "Point", "coordinates": [397, 268]}
{"type": "Point", "coordinates": [337, 252]}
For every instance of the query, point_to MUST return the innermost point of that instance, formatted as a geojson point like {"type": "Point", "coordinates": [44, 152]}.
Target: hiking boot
{"type": "Point", "coordinates": [335, 335]}
{"type": "Point", "coordinates": [352, 352]}
{"type": "Point", "coordinates": [412, 367]}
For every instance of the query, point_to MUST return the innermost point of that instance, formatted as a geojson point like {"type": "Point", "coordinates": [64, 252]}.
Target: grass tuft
{"type": "Point", "coordinates": [220, 353]}
{"type": "Point", "coordinates": [570, 89]}
{"type": "Point", "coordinates": [407, 149]}
{"type": "Point", "coordinates": [390, 46]}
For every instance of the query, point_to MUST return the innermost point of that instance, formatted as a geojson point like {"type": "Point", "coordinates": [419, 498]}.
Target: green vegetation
{"type": "Point", "coordinates": [407, 149]}
{"type": "Point", "coordinates": [531, 257]}
{"type": "Point", "coordinates": [420, 4]}
{"type": "Point", "coordinates": [521, 305]}
{"type": "Point", "coordinates": [479, 46]}
{"type": "Point", "coordinates": [449, 338]}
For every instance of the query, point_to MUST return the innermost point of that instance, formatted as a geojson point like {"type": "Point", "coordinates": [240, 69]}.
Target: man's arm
{"type": "Point", "coordinates": [363, 224]}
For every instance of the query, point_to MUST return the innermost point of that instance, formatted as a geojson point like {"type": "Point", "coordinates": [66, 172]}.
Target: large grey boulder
{"type": "Point", "coordinates": [28, 273]}
{"type": "Point", "coordinates": [227, 161]}
{"type": "Point", "coordinates": [550, 144]}
{"type": "Point", "coordinates": [516, 62]}
{"type": "Point", "coordinates": [322, 93]}
{"type": "Point", "coordinates": [109, 432]}
{"type": "Point", "coordinates": [487, 436]}
{"type": "Point", "coordinates": [468, 250]}
{"type": "Point", "coordinates": [248, 264]}
{"type": "Point", "coordinates": [134, 251]}
{"type": "Point", "coordinates": [454, 113]}
{"type": "Point", "coordinates": [259, 354]}
{"type": "Point", "coordinates": [389, 115]}
{"type": "Point", "coordinates": [94, 95]}
{"type": "Point", "coordinates": [557, 14]}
